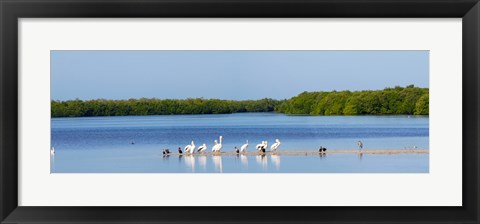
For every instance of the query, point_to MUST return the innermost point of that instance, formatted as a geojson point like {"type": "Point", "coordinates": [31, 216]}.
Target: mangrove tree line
{"type": "Point", "coordinates": [102, 107]}
{"type": "Point", "coordinates": [389, 101]}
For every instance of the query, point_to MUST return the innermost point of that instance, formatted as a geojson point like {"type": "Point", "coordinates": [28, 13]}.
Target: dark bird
{"type": "Point", "coordinates": [322, 149]}
{"type": "Point", "coordinates": [133, 143]}
{"type": "Point", "coordinates": [264, 147]}
{"type": "Point", "coordinates": [360, 144]}
{"type": "Point", "coordinates": [180, 150]}
{"type": "Point", "coordinates": [167, 151]}
{"type": "Point", "coordinates": [163, 152]}
{"type": "Point", "coordinates": [237, 150]}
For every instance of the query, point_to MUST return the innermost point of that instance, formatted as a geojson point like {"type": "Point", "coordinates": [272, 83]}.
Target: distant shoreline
{"type": "Point", "coordinates": [407, 100]}
{"type": "Point", "coordinates": [299, 115]}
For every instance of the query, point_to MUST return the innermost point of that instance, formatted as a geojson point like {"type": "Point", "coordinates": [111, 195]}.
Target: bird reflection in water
{"type": "Point", "coordinates": [166, 154]}
{"type": "Point", "coordinates": [262, 160]}
{"type": "Point", "coordinates": [190, 162]}
{"type": "Point", "coordinates": [217, 163]}
{"type": "Point", "coordinates": [323, 155]}
{"type": "Point", "coordinates": [52, 159]}
{"type": "Point", "coordinates": [276, 161]}
{"type": "Point", "coordinates": [180, 157]}
{"type": "Point", "coordinates": [244, 160]}
{"type": "Point", "coordinates": [237, 156]}
{"type": "Point", "coordinates": [202, 161]}
{"type": "Point", "coordinates": [166, 157]}
{"type": "Point", "coordinates": [360, 156]}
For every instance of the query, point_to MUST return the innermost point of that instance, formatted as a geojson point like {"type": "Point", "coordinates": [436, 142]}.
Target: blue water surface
{"type": "Point", "coordinates": [133, 144]}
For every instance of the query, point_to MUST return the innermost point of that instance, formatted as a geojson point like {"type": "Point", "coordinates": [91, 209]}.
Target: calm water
{"type": "Point", "coordinates": [104, 144]}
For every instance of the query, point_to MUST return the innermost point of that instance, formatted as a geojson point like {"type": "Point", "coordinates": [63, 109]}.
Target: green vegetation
{"type": "Point", "coordinates": [390, 101]}
{"type": "Point", "coordinates": [398, 100]}
{"type": "Point", "coordinates": [79, 108]}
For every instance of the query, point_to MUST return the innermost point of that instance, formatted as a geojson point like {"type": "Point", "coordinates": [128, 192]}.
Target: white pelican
{"type": "Point", "coordinates": [275, 146]}
{"type": "Point", "coordinates": [215, 143]}
{"type": "Point", "coordinates": [360, 144]}
{"type": "Point", "coordinates": [52, 151]}
{"type": "Point", "coordinates": [189, 149]}
{"type": "Point", "coordinates": [218, 146]}
{"type": "Point", "coordinates": [220, 143]}
{"type": "Point", "coordinates": [202, 148]}
{"type": "Point", "coordinates": [244, 147]}
{"type": "Point", "coordinates": [192, 147]}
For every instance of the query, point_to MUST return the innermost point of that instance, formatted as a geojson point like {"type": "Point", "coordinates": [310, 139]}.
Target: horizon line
{"type": "Point", "coordinates": [155, 98]}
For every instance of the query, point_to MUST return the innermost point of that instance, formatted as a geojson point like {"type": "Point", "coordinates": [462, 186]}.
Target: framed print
{"type": "Point", "coordinates": [179, 111]}
{"type": "Point", "coordinates": [224, 125]}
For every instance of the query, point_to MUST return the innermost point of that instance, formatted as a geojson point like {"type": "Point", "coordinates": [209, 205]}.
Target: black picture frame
{"type": "Point", "coordinates": [12, 10]}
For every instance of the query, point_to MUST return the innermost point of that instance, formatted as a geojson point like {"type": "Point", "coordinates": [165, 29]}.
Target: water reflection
{"type": "Point", "coordinates": [236, 158]}
{"type": "Point", "coordinates": [275, 160]}
{"type": "Point", "coordinates": [262, 161]}
{"type": "Point", "coordinates": [322, 155]}
{"type": "Point", "coordinates": [202, 161]}
{"type": "Point", "coordinates": [360, 155]}
{"type": "Point", "coordinates": [190, 162]}
{"type": "Point", "coordinates": [217, 163]}
{"type": "Point", "coordinates": [52, 163]}
{"type": "Point", "coordinates": [180, 157]}
{"type": "Point", "coordinates": [244, 160]}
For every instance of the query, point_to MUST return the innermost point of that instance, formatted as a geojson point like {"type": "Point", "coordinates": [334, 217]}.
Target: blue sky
{"type": "Point", "coordinates": [233, 75]}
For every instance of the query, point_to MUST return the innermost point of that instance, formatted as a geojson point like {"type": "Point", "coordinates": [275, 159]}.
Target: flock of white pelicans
{"type": "Point", "coordinates": [217, 146]}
